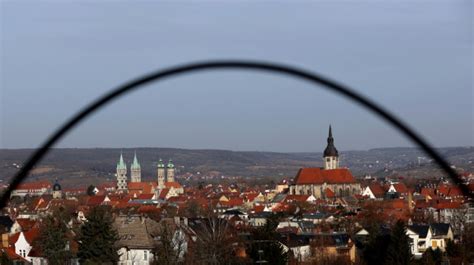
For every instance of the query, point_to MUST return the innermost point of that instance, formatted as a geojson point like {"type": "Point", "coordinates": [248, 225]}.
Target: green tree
{"type": "Point", "coordinates": [4, 260]}
{"type": "Point", "coordinates": [265, 246]}
{"type": "Point", "coordinates": [398, 251]}
{"type": "Point", "coordinates": [53, 239]}
{"type": "Point", "coordinates": [97, 238]}
{"type": "Point", "coordinates": [467, 243]}
{"type": "Point", "coordinates": [452, 249]}
{"type": "Point", "coordinates": [375, 249]}
{"type": "Point", "coordinates": [431, 257]}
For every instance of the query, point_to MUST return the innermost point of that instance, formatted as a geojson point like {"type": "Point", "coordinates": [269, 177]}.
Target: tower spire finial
{"type": "Point", "coordinates": [135, 163]}
{"type": "Point", "coordinates": [330, 148]}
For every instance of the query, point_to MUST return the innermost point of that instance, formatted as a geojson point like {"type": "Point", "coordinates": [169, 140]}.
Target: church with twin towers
{"type": "Point", "coordinates": [165, 174]}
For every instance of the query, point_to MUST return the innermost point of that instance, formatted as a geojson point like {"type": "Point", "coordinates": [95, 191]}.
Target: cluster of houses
{"type": "Point", "coordinates": [322, 210]}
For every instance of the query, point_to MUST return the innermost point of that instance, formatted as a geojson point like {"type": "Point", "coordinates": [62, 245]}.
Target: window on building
{"type": "Point", "coordinates": [145, 255]}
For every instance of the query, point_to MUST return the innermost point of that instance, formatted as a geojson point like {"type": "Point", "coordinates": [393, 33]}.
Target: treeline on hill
{"type": "Point", "coordinates": [216, 242]}
{"type": "Point", "coordinates": [98, 164]}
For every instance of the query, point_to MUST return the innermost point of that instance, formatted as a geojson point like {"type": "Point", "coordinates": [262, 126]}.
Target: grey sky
{"type": "Point", "coordinates": [414, 57]}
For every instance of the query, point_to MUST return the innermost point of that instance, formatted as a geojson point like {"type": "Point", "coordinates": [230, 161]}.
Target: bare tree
{"type": "Point", "coordinates": [172, 245]}
{"type": "Point", "coordinates": [214, 242]}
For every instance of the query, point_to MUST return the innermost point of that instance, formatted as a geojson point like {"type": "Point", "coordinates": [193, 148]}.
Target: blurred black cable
{"type": "Point", "coordinates": [221, 65]}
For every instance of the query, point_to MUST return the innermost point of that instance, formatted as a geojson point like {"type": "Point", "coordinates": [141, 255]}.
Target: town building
{"type": "Point", "coordinates": [331, 180]}
{"type": "Point", "coordinates": [57, 191]}
{"type": "Point", "coordinates": [136, 170]}
{"type": "Point", "coordinates": [121, 175]}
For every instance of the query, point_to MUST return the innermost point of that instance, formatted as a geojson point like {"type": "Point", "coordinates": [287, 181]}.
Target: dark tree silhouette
{"type": "Point", "coordinates": [398, 251]}
{"type": "Point", "coordinates": [97, 238]}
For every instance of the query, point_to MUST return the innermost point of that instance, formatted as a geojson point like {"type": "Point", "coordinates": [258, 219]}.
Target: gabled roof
{"type": "Point", "coordinates": [34, 185]}
{"type": "Point", "coordinates": [400, 188]}
{"type": "Point", "coordinates": [164, 193]}
{"type": "Point", "coordinates": [25, 223]}
{"type": "Point", "coordinates": [320, 176]}
{"type": "Point", "coordinates": [296, 198]}
{"type": "Point", "coordinates": [448, 205]}
{"type": "Point", "coordinates": [440, 229]}
{"type": "Point", "coordinates": [31, 234]}
{"type": "Point", "coordinates": [145, 196]}
{"type": "Point", "coordinates": [428, 192]}
{"type": "Point", "coordinates": [96, 200]}
{"type": "Point", "coordinates": [377, 190]}
{"type": "Point", "coordinates": [136, 232]}
{"type": "Point", "coordinates": [10, 252]}
{"type": "Point", "coordinates": [421, 230]}
{"type": "Point", "coordinates": [233, 202]}
{"type": "Point", "coordinates": [329, 193]}
{"type": "Point", "coordinates": [142, 187]}
{"type": "Point", "coordinates": [173, 184]}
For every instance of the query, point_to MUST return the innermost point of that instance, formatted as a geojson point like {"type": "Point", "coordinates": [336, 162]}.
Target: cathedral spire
{"type": "Point", "coordinates": [135, 164]}
{"type": "Point", "coordinates": [121, 164]}
{"type": "Point", "coordinates": [331, 155]}
{"type": "Point", "coordinates": [330, 148]}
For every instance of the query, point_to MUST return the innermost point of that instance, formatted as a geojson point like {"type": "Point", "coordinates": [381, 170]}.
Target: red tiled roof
{"type": "Point", "coordinates": [377, 190]}
{"type": "Point", "coordinates": [448, 205]}
{"type": "Point", "coordinates": [233, 202]}
{"type": "Point", "coordinates": [10, 252]}
{"type": "Point", "coordinates": [96, 200]}
{"type": "Point", "coordinates": [148, 209]}
{"type": "Point", "coordinates": [163, 193]}
{"type": "Point", "coordinates": [400, 187]}
{"type": "Point", "coordinates": [34, 185]}
{"type": "Point", "coordinates": [32, 234]}
{"type": "Point", "coordinates": [258, 208]}
{"type": "Point", "coordinates": [296, 198]}
{"type": "Point", "coordinates": [427, 192]}
{"type": "Point", "coordinates": [329, 193]}
{"type": "Point", "coordinates": [145, 196]}
{"type": "Point", "coordinates": [320, 176]}
{"type": "Point", "coordinates": [25, 223]}
{"type": "Point", "coordinates": [173, 184]}
{"type": "Point", "coordinates": [251, 196]}
{"type": "Point", "coordinates": [450, 190]}
{"type": "Point", "coordinates": [13, 238]}
{"type": "Point", "coordinates": [142, 187]}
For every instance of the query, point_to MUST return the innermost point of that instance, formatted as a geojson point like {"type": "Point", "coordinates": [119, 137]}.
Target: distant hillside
{"type": "Point", "coordinates": [97, 165]}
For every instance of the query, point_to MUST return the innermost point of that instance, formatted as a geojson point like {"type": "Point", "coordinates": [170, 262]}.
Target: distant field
{"type": "Point", "coordinates": [78, 166]}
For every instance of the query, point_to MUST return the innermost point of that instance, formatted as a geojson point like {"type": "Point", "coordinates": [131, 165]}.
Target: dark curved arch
{"type": "Point", "coordinates": [228, 64]}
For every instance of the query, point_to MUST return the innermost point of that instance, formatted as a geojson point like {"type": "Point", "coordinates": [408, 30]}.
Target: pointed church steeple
{"type": "Point", "coordinates": [121, 164]}
{"type": "Point", "coordinates": [136, 170]}
{"type": "Point", "coordinates": [330, 148]}
{"type": "Point", "coordinates": [135, 164]}
{"type": "Point", "coordinates": [331, 155]}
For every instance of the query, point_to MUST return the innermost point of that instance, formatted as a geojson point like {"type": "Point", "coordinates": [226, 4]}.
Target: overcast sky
{"type": "Point", "coordinates": [414, 57]}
